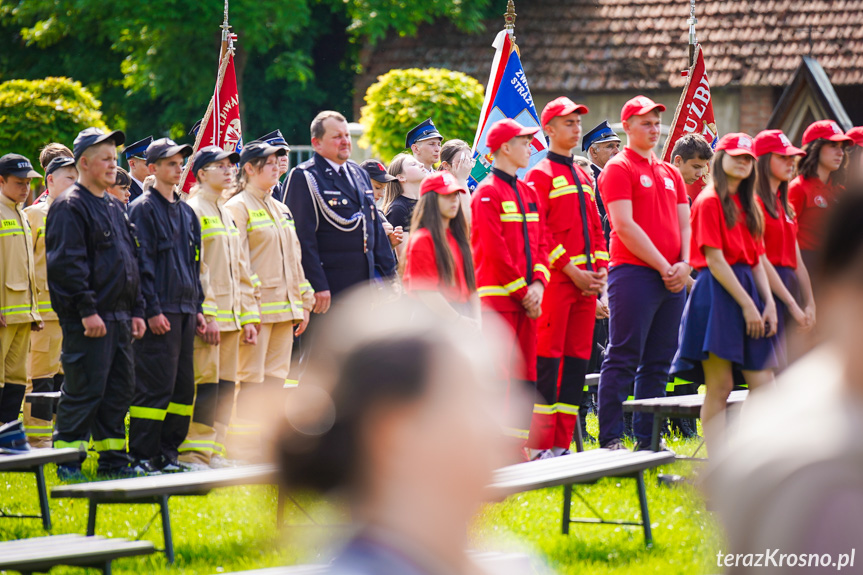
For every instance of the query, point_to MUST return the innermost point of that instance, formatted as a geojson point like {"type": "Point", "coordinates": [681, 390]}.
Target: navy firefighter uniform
{"type": "Point", "coordinates": [137, 151]}
{"type": "Point", "coordinates": [342, 239]}
{"type": "Point", "coordinates": [574, 232]}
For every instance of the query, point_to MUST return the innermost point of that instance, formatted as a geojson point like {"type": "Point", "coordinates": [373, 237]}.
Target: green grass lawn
{"type": "Point", "coordinates": [234, 529]}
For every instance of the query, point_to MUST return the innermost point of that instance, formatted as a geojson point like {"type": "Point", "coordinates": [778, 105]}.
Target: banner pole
{"type": "Point", "coordinates": [692, 39]}
{"type": "Point", "coordinates": [509, 19]}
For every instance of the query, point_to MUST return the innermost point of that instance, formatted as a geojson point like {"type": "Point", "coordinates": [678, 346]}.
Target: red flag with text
{"type": "Point", "coordinates": [222, 126]}
{"type": "Point", "coordinates": [694, 114]}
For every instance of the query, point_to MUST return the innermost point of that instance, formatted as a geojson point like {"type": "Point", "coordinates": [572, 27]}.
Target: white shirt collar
{"type": "Point", "coordinates": [140, 184]}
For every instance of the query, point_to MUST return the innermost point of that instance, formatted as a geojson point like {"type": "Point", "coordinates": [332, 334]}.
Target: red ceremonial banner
{"type": "Point", "coordinates": [222, 127]}
{"type": "Point", "coordinates": [694, 114]}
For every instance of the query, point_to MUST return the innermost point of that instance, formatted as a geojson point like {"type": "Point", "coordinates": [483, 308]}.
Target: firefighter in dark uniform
{"type": "Point", "coordinates": [341, 235]}
{"type": "Point", "coordinates": [169, 235]}
{"type": "Point", "coordinates": [95, 289]}
{"type": "Point", "coordinates": [600, 144]}
{"type": "Point", "coordinates": [275, 138]}
{"type": "Point", "coordinates": [135, 158]}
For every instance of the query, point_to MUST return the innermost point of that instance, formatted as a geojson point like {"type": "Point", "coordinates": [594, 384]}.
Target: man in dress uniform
{"type": "Point", "coordinates": [94, 283]}
{"type": "Point", "coordinates": [424, 142]}
{"type": "Point", "coordinates": [135, 157]}
{"type": "Point", "coordinates": [275, 138]}
{"type": "Point", "coordinates": [341, 235]}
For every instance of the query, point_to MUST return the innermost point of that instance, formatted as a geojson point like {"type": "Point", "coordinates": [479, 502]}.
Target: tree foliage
{"type": "Point", "coordinates": [401, 99]}
{"type": "Point", "coordinates": [153, 64]}
{"type": "Point", "coordinates": [35, 112]}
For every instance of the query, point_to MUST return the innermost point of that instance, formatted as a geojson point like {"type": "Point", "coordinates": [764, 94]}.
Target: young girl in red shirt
{"type": "Point", "coordinates": [818, 185]}
{"type": "Point", "coordinates": [439, 266]}
{"type": "Point", "coordinates": [790, 283]}
{"type": "Point", "coordinates": [730, 318]}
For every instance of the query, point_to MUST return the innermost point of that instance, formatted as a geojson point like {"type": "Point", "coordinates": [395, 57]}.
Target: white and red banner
{"type": "Point", "coordinates": [221, 125]}
{"type": "Point", "coordinates": [694, 114]}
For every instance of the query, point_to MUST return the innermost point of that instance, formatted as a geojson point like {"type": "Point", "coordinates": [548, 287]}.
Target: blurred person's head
{"type": "Point", "coordinates": [379, 177]}
{"type": "Point", "coordinates": [824, 143]}
{"type": "Point", "coordinates": [16, 173]}
{"type": "Point", "coordinates": [51, 151]}
{"type": "Point", "coordinates": [331, 137]}
{"type": "Point", "coordinates": [776, 159]}
{"type": "Point", "coordinates": [214, 168]}
{"type": "Point", "coordinates": [259, 166]}
{"type": "Point", "coordinates": [509, 142]}
{"type": "Point", "coordinates": [408, 173]}
{"type": "Point", "coordinates": [585, 164]}
{"type": "Point", "coordinates": [561, 122]}
{"type": "Point", "coordinates": [95, 153]}
{"type": "Point", "coordinates": [399, 417]}
{"type": "Point", "coordinates": [451, 152]}
{"type": "Point", "coordinates": [165, 159]}
{"type": "Point", "coordinates": [60, 174]}
{"type": "Point", "coordinates": [642, 123]}
{"type": "Point", "coordinates": [691, 156]}
{"type": "Point", "coordinates": [120, 189]}
{"type": "Point", "coordinates": [733, 171]}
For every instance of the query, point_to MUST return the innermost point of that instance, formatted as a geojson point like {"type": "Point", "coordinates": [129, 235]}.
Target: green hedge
{"type": "Point", "coordinates": [36, 112]}
{"type": "Point", "coordinates": [401, 99]}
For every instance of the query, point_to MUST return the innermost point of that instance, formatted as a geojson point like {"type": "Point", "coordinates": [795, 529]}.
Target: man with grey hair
{"type": "Point", "coordinates": [331, 198]}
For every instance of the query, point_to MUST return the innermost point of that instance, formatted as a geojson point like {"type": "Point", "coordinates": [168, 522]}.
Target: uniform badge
{"type": "Point", "coordinates": [820, 201]}
{"type": "Point", "coordinates": [559, 182]}
{"type": "Point", "coordinates": [509, 207]}
{"type": "Point", "coordinates": [646, 181]}
{"type": "Point", "coordinates": [669, 183]}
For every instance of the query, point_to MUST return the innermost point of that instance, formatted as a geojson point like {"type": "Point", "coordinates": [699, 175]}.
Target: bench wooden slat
{"type": "Point", "coordinates": [42, 397]}
{"type": "Point", "coordinates": [681, 404]}
{"type": "Point", "coordinates": [45, 552]}
{"type": "Point", "coordinates": [187, 483]}
{"type": "Point", "coordinates": [36, 457]}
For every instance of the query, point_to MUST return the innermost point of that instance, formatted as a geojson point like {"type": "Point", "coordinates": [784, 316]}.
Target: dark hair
{"type": "Point", "coordinates": [242, 179]}
{"type": "Point", "coordinates": [394, 188]}
{"type": "Point", "coordinates": [449, 150]}
{"type": "Point", "coordinates": [768, 196]}
{"type": "Point", "coordinates": [123, 178]}
{"type": "Point", "coordinates": [427, 215]}
{"type": "Point", "coordinates": [808, 166]}
{"type": "Point", "coordinates": [692, 146]}
{"type": "Point", "coordinates": [386, 371]}
{"type": "Point", "coordinates": [746, 194]}
{"type": "Point", "coordinates": [854, 173]}
{"type": "Point", "coordinates": [51, 151]}
{"type": "Point", "coordinates": [842, 250]}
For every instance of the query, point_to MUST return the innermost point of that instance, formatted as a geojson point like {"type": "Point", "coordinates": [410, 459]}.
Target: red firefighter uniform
{"type": "Point", "coordinates": [511, 252]}
{"type": "Point", "coordinates": [565, 330]}
{"type": "Point", "coordinates": [45, 344]}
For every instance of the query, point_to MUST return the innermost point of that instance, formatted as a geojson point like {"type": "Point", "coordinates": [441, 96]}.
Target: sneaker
{"type": "Point", "coordinates": [614, 445]}
{"type": "Point", "coordinates": [70, 473]}
{"type": "Point", "coordinates": [195, 466]}
{"type": "Point", "coordinates": [565, 452]}
{"type": "Point", "coordinates": [13, 440]}
{"type": "Point", "coordinates": [646, 446]}
{"type": "Point", "coordinates": [124, 472]}
{"type": "Point", "coordinates": [544, 454]}
{"type": "Point", "coordinates": [144, 468]}
{"type": "Point", "coordinates": [174, 466]}
{"type": "Point", "coordinates": [219, 462]}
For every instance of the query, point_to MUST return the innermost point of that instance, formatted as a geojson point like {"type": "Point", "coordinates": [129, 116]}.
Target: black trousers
{"type": "Point", "coordinates": [96, 391]}
{"type": "Point", "coordinates": [164, 390]}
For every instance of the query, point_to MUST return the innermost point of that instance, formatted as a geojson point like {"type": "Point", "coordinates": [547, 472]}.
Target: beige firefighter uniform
{"type": "Point", "coordinates": [45, 345]}
{"type": "Point", "coordinates": [17, 306]}
{"type": "Point", "coordinates": [229, 300]}
{"type": "Point", "coordinates": [269, 237]}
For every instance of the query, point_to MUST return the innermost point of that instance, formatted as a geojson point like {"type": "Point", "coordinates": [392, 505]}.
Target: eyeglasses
{"type": "Point", "coordinates": [230, 168]}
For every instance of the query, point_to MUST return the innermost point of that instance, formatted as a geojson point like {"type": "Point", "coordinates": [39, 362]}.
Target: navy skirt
{"type": "Point", "coordinates": [713, 323]}
{"type": "Point", "coordinates": [789, 278]}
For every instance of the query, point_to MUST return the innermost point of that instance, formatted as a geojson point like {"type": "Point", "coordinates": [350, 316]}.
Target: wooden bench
{"type": "Point", "coordinates": [40, 554]}
{"type": "Point", "coordinates": [158, 489]}
{"type": "Point", "coordinates": [577, 469]}
{"type": "Point", "coordinates": [52, 397]}
{"type": "Point", "coordinates": [675, 406]}
{"type": "Point", "coordinates": [34, 462]}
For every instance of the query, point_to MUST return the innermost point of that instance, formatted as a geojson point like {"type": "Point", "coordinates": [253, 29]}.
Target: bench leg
{"type": "Point", "coordinates": [166, 528]}
{"type": "Point", "coordinates": [654, 439]}
{"type": "Point", "coordinates": [567, 504]}
{"type": "Point", "coordinates": [645, 515]}
{"type": "Point", "coordinates": [43, 497]}
{"type": "Point", "coordinates": [91, 518]}
{"type": "Point", "coordinates": [280, 506]}
{"type": "Point", "coordinates": [106, 568]}
{"type": "Point", "coordinates": [579, 442]}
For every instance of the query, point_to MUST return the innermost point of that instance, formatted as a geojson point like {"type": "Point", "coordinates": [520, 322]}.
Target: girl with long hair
{"type": "Point", "coordinates": [439, 265]}
{"type": "Point", "coordinates": [457, 159]}
{"type": "Point", "coordinates": [270, 244]}
{"type": "Point", "coordinates": [820, 180]}
{"type": "Point", "coordinates": [402, 195]}
{"type": "Point", "coordinates": [854, 176]}
{"type": "Point", "coordinates": [789, 278]}
{"type": "Point", "coordinates": [730, 317]}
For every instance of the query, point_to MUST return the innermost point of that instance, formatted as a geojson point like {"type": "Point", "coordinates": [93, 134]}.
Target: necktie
{"type": "Point", "coordinates": [344, 176]}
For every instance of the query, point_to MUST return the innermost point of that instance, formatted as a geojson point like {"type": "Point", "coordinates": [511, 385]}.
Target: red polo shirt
{"type": "Point", "coordinates": [421, 267]}
{"type": "Point", "coordinates": [710, 230]}
{"type": "Point", "coordinates": [655, 189]}
{"type": "Point", "coordinates": [811, 199]}
{"type": "Point", "coordinates": [780, 237]}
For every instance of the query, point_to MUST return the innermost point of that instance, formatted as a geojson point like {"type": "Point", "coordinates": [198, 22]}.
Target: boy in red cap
{"type": "Point", "coordinates": [649, 211]}
{"type": "Point", "coordinates": [511, 254]}
{"type": "Point", "coordinates": [578, 259]}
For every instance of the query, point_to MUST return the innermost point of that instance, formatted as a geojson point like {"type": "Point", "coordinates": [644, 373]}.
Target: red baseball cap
{"type": "Point", "coordinates": [856, 135]}
{"type": "Point", "coordinates": [775, 142]}
{"type": "Point", "coordinates": [827, 129]}
{"type": "Point", "coordinates": [443, 183]}
{"type": "Point", "coordinates": [639, 106]}
{"type": "Point", "coordinates": [561, 107]}
{"type": "Point", "coordinates": [736, 144]}
{"type": "Point", "coordinates": [504, 131]}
